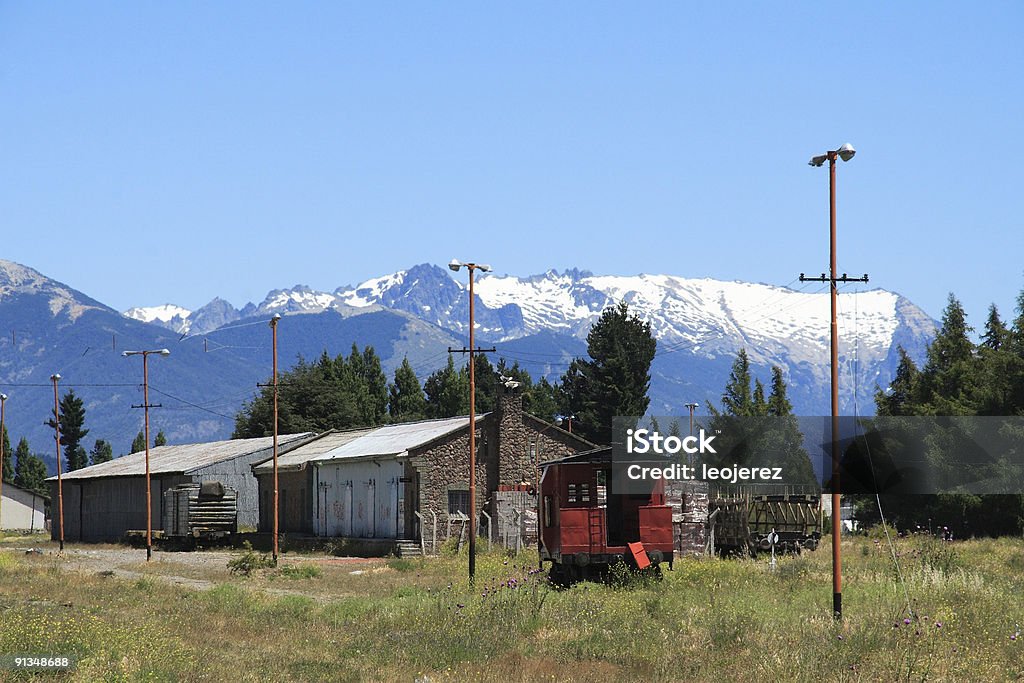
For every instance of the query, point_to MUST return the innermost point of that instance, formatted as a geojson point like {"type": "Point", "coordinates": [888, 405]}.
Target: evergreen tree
{"type": "Point", "coordinates": [72, 430]}
{"type": "Point", "coordinates": [161, 439]}
{"type": "Point", "coordinates": [406, 401]}
{"type": "Point", "coordinates": [447, 392]}
{"type": "Point", "coordinates": [616, 379]}
{"type": "Point", "coordinates": [29, 470]}
{"type": "Point", "coordinates": [737, 400]}
{"type": "Point", "coordinates": [778, 403]}
{"type": "Point", "coordinates": [758, 404]}
{"type": "Point", "coordinates": [899, 400]}
{"type": "Point", "coordinates": [102, 451]}
{"type": "Point", "coordinates": [139, 443]}
{"type": "Point", "coordinates": [996, 334]}
{"type": "Point", "coordinates": [7, 465]}
{"type": "Point", "coordinates": [542, 401]}
{"type": "Point", "coordinates": [947, 378]}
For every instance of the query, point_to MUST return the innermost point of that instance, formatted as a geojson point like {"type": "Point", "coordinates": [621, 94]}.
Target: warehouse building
{"type": "Point", "coordinates": [398, 481]}
{"type": "Point", "coordinates": [104, 501]}
{"type": "Point", "coordinates": [21, 509]}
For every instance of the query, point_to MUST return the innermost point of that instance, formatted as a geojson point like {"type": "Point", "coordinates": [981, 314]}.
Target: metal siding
{"type": "Point", "coordinates": [22, 510]}
{"type": "Point", "coordinates": [359, 499]}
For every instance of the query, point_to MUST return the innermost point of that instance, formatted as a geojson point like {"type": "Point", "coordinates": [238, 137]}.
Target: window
{"type": "Point", "coordinates": [458, 501]}
{"type": "Point", "coordinates": [579, 493]}
{"type": "Point", "coordinates": [533, 450]}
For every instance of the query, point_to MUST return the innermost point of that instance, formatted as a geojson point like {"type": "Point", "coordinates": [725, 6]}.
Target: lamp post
{"type": "Point", "coordinates": [145, 407]}
{"type": "Point", "coordinates": [273, 327]}
{"type": "Point", "coordinates": [471, 267]}
{"type": "Point", "coordinates": [845, 153]}
{"type": "Point", "coordinates": [60, 481]}
{"type": "Point", "coordinates": [3, 405]}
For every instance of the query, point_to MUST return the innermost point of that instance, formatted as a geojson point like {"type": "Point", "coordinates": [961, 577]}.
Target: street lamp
{"type": "Point", "coordinates": [845, 153]}
{"type": "Point", "coordinates": [273, 327]}
{"type": "Point", "coordinates": [60, 481]}
{"type": "Point", "coordinates": [455, 266]}
{"type": "Point", "coordinates": [145, 406]}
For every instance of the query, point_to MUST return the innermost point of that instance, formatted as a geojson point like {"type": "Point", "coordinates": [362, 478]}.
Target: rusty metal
{"type": "Point", "coordinates": [277, 516]}
{"type": "Point", "coordinates": [60, 480]}
{"type": "Point", "coordinates": [3, 406]}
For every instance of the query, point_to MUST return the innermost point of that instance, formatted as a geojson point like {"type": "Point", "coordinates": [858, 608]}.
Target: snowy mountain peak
{"type": "Point", "coordinates": [166, 315]}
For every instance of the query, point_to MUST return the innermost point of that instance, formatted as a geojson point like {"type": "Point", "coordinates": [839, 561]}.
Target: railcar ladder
{"type": "Point", "coordinates": [596, 529]}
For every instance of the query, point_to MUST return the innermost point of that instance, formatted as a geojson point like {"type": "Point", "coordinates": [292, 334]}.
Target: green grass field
{"type": "Point", "coordinates": [407, 620]}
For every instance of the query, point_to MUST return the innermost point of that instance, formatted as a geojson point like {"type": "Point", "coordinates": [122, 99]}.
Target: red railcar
{"type": "Point", "coordinates": [586, 526]}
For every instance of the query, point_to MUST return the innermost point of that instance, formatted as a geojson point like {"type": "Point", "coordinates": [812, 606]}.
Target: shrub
{"type": "Point", "coordinates": [250, 561]}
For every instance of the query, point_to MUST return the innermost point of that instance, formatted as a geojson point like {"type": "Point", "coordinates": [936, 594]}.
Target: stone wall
{"type": "Point", "coordinates": [689, 501]}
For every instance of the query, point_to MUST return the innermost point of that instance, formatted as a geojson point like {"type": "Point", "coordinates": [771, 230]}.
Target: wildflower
{"type": "Point", "coordinates": [938, 624]}
{"type": "Point", "coordinates": [906, 621]}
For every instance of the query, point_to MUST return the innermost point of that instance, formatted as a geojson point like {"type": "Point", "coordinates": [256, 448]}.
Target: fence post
{"type": "Point", "coordinates": [490, 529]}
{"type": "Point", "coordinates": [423, 542]}
{"type": "Point", "coordinates": [433, 541]}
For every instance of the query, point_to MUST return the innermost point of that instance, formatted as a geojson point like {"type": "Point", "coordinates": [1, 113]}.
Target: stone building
{"type": "Point", "coordinates": [404, 481]}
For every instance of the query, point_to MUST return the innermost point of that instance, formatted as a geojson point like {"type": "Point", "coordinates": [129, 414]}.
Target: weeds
{"type": "Point", "coordinates": [250, 561]}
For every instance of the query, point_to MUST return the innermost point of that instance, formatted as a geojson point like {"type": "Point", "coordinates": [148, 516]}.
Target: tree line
{"type": "Point", "coordinates": [958, 378]}
{"type": "Point", "coordinates": [348, 392]}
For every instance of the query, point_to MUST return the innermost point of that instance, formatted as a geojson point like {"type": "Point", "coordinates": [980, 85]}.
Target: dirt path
{"type": "Point", "coordinates": [201, 570]}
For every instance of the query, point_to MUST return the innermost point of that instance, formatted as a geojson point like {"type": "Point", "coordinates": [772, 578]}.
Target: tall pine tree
{"type": "Point", "coordinates": [102, 451]}
{"type": "Point", "coordinates": [29, 469]}
{"type": "Point", "coordinates": [72, 430]}
{"type": "Point", "coordinates": [406, 401]}
{"type": "Point", "coordinates": [616, 379]}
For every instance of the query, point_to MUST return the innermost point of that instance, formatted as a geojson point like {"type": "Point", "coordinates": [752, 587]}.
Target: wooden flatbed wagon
{"type": "Point", "coordinates": [743, 525]}
{"type": "Point", "coordinates": [193, 511]}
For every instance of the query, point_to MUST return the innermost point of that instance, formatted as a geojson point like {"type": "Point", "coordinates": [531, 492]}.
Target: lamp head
{"type": "Point", "coordinates": [454, 265]}
{"type": "Point", "coordinates": [484, 267]}
{"type": "Point", "coordinates": [817, 160]}
{"type": "Point", "coordinates": [274, 319]}
{"type": "Point", "coordinates": [164, 352]}
{"type": "Point", "coordinates": [3, 397]}
{"type": "Point", "coordinates": [54, 377]}
{"type": "Point", "coordinates": [846, 152]}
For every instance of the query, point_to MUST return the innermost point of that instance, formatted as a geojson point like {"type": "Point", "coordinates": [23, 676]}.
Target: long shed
{"type": "Point", "coordinates": [104, 501]}
{"type": "Point", "coordinates": [21, 509]}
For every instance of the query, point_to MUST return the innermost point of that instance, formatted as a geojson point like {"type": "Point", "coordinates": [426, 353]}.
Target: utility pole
{"type": "Point", "coordinates": [845, 153]}
{"type": "Point", "coordinates": [3, 406]}
{"type": "Point", "coordinates": [472, 350]}
{"type": "Point", "coordinates": [273, 327]}
{"type": "Point", "coordinates": [60, 482]}
{"type": "Point", "coordinates": [146, 406]}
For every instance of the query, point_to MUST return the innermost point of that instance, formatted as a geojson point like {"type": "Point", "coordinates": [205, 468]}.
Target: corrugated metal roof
{"type": "Point", "coordinates": [181, 458]}
{"type": "Point", "coordinates": [396, 439]}
{"type": "Point", "coordinates": [298, 457]}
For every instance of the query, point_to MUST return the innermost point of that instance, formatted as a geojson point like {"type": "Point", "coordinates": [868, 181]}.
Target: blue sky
{"type": "Point", "coordinates": [173, 152]}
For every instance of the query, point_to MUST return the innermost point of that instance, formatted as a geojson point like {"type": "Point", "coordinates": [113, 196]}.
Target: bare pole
{"type": "Point", "coordinates": [472, 435]}
{"type": "Point", "coordinates": [60, 481]}
{"type": "Point", "coordinates": [149, 492]}
{"type": "Point", "coordinates": [3, 406]}
{"type": "Point", "coordinates": [273, 327]}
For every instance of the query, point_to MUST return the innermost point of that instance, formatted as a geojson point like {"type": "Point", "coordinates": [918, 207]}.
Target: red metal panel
{"type": "Point", "coordinates": [575, 527]}
{"type": "Point", "coordinates": [656, 526]}
{"type": "Point", "coordinates": [640, 555]}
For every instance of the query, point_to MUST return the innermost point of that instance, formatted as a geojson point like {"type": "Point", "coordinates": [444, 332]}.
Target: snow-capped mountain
{"type": "Point", "coordinates": [699, 320]}
{"type": "Point", "coordinates": [170, 316]}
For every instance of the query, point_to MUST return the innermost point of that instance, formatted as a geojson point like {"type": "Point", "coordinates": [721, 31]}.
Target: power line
{"type": "Point", "coordinates": [194, 405]}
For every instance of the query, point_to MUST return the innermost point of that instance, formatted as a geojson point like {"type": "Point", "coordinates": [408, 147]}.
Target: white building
{"type": "Point", "coordinates": [22, 510]}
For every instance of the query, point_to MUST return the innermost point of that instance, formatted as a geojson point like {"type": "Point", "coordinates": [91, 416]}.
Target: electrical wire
{"type": "Point", "coordinates": [867, 450]}
{"type": "Point", "coordinates": [194, 405]}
